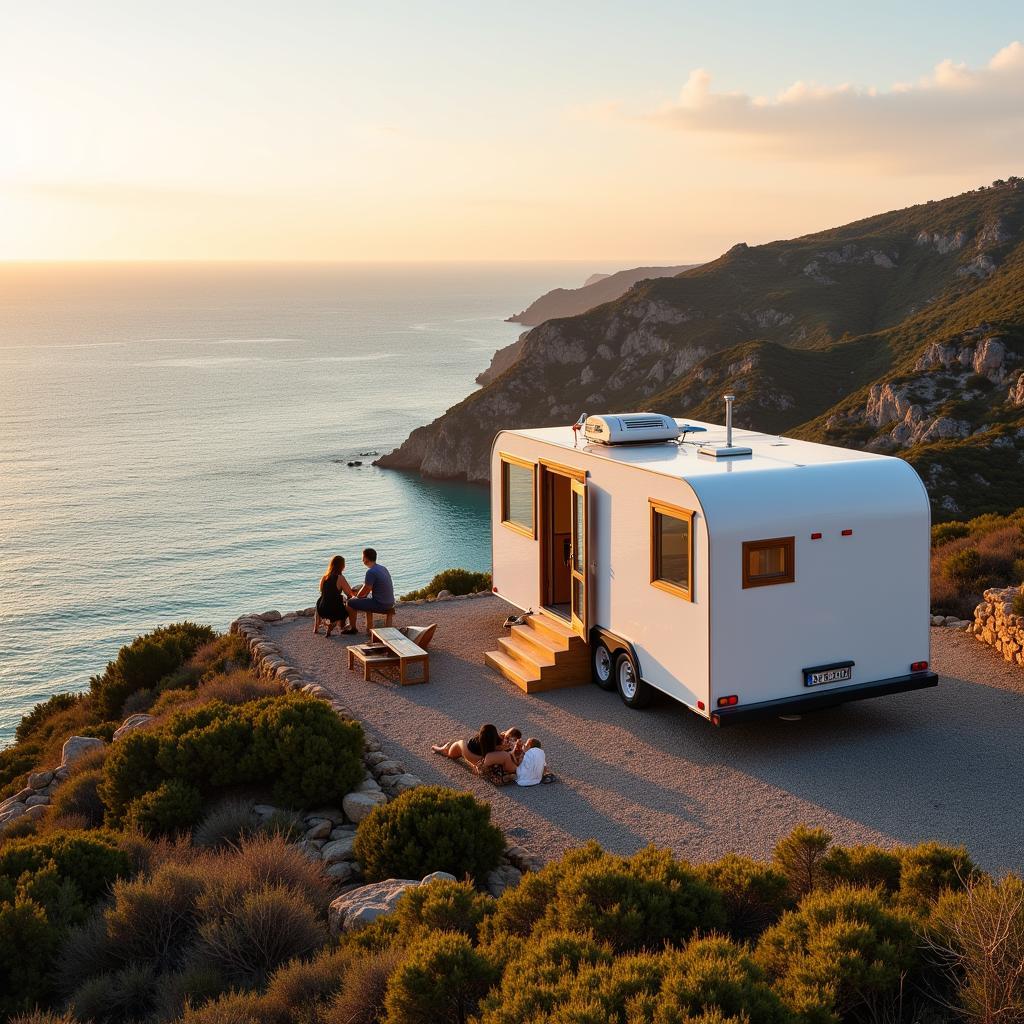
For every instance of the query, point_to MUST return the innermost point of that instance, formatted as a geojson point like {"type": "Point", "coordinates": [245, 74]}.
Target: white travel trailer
{"type": "Point", "coordinates": [747, 576]}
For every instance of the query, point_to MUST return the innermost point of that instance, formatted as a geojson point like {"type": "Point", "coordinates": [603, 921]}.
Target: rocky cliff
{"type": "Point", "coordinates": [901, 333]}
{"type": "Point", "coordinates": [597, 289]}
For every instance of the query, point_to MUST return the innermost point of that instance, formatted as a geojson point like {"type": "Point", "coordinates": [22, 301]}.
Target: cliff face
{"type": "Point", "coordinates": [597, 289]}
{"type": "Point", "coordinates": [901, 333]}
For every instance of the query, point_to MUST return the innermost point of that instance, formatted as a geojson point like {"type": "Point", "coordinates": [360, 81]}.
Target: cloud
{"type": "Point", "coordinates": [956, 116]}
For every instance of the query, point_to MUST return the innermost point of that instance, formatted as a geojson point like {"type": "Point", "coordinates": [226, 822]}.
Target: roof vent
{"type": "Point", "coordinates": [721, 451]}
{"type": "Point", "coordinates": [630, 428]}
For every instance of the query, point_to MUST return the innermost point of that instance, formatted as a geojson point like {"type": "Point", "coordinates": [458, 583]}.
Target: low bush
{"type": "Point", "coordinates": [119, 997]}
{"type": "Point", "coordinates": [238, 687]}
{"type": "Point", "coordinates": [145, 663]}
{"type": "Point", "coordinates": [233, 1008]}
{"type": "Point", "coordinates": [427, 829]}
{"type": "Point", "coordinates": [224, 655]}
{"type": "Point", "coordinates": [45, 1017]}
{"type": "Point", "coordinates": [953, 530]}
{"type": "Point", "coordinates": [44, 712]}
{"type": "Point", "coordinates": [930, 869]}
{"type": "Point", "coordinates": [226, 824]}
{"type": "Point", "coordinates": [455, 581]}
{"type": "Point", "coordinates": [864, 866]}
{"type": "Point", "coordinates": [441, 981]}
{"type": "Point", "coordinates": [799, 857]}
{"type": "Point", "coordinates": [840, 952]}
{"type": "Point", "coordinates": [79, 795]}
{"type": "Point", "coordinates": [442, 907]}
{"type": "Point", "coordinates": [296, 743]}
{"type": "Point", "coordinates": [754, 895]}
{"type": "Point", "coordinates": [361, 1000]}
{"type": "Point", "coordinates": [1018, 599]}
{"type": "Point", "coordinates": [302, 988]}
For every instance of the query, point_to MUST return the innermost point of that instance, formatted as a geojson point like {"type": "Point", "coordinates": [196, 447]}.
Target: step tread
{"type": "Point", "coordinates": [534, 658]}
{"type": "Point", "coordinates": [536, 638]}
{"type": "Point", "coordinates": [508, 666]}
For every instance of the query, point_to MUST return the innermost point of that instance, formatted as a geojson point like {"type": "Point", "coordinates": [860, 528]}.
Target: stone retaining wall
{"type": "Point", "coordinates": [996, 623]}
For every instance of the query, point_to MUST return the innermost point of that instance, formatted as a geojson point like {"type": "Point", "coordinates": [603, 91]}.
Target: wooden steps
{"type": "Point", "coordinates": [544, 654]}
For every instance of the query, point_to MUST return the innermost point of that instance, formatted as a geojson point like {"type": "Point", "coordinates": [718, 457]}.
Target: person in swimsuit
{"type": "Point", "coordinates": [475, 749]}
{"type": "Point", "coordinates": [330, 607]}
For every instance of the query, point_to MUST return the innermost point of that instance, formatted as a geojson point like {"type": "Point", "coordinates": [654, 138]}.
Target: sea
{"type": "Point", "coordinates": [176, 442]}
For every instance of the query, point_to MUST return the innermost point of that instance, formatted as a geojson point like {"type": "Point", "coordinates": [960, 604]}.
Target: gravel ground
{"type": "Point", "coordinates": [944, 763]}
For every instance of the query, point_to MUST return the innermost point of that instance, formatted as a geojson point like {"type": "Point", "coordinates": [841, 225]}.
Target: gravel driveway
{"type": "Point", "coordinates": [944, 764]}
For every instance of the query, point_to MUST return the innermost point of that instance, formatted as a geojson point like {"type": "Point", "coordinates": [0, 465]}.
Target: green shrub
{"type": "Point", "coordinates": [963, 567]}
{"type": "Point", "coordinates": [252, 935]}
{"type": "Point", "coordinates": [455, 581]}
{"type": "Point", "coordinates": [715, 975]}
{"type": "Point", "coordinates": [300, 987]}
{"type": "Point", "coordinates": [427, 829]}
{"type": "Point", "coordinates": [944, 532]}
{"type": "Point", "coordinates": [174, 806]}
{"type": "Point", "coordinates": [193, 985]}
{"type": "Point", "coordinates": [131, 769]}
{"type": "Point", "coordinates": [799, 857]}
{"type": "Point", "coordinates": [268, 860]}
{"type": "Point", "coordinates": [233, 1008]}
{"type": "Point", "coordinates": [224, 655]}
{"type": "Point", "coordinates": [79, 795]}
{"type": "Point", "coordinates": [863, 866]}
{"type": "Point", "coordinates": [43, 712]}
{"type": "Point", "coordinates": [361, 1000]}
{"type": "Point", "coordinates": [312, 754]}
{"type": "Point", "coordinates": [754, 895]}
{"type": "Point", "coordinates": [145, 662]}
{"type": "Point", "coordinates": [442, 907]}
{"type": "Point", "coordinates": [226, 824]}
{"type": "Point", "coordinates": [28, 944]}
{"type": "Point", "coordinates": [930, 869]}
{"type": "Point", "coordinates": [237, 687]}
{"type": "Point", "coordinates": [123, 996]}
{"type": "Point", "coordinates": [441, 981]}
{"type": "Point", "coordinates": [839, 952]}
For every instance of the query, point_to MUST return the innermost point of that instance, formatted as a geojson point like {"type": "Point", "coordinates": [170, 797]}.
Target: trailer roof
{"type": "Point", "coordinates": [769, 451]}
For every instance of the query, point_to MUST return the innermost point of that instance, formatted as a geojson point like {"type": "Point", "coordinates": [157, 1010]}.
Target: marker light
{"type": "Point", "coordinates": [919, 666]}
{"type": "Point", "coordinates": [727, 702]}
{"type": "Point", "coordinates": [815, 536]}
{"type": "Point", "coordinates": [847, 533]}
{"type": "Point", "coordinates": [495, 589]}
{"type": "Point", "coordinates": [700, 705]}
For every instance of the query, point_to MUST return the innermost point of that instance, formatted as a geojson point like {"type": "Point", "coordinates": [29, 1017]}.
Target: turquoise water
{"type": "Point", "coordinates": [174, 440]}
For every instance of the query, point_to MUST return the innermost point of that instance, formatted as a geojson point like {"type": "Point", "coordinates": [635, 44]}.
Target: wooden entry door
{"type": "Point", "coordinates": [578, 558]}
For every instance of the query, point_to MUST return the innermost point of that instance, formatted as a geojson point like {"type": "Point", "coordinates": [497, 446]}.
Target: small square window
{"type": "Point", "coordinates": [517, 495]}
{"type": "Point", "coordinates": [767, 562]}
{"type": "Point", "coordinates": [672, 550]}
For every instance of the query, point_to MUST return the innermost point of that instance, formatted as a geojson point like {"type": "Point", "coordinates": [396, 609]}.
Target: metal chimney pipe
{"type": "Point", "coordinates": [729, 399]}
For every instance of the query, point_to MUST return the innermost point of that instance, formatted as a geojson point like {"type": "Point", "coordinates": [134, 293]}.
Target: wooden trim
{"type": "Point", "coordinates": [788, 544]}
{"type": "Point", "coordinates": [563, 470]}
{"type": "Point", "coordinates": [673, 512]}
{"type": "Point", "coordinates": [513, 460]}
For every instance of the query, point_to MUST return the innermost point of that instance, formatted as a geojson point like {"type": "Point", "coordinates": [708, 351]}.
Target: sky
{"type": "Point", "coordinates": [619, 133]}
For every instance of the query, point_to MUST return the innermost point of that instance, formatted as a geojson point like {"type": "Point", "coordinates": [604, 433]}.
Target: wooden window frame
{"type": "Point", "coordinates": [788, 543]}
{"type": "Point", "coordinates": [513, 460]}
{"type": "Point", "coordinates": [673, 512]}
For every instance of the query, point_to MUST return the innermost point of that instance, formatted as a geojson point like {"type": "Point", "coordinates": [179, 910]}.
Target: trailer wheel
{"type": "Point", "coordinates": [602, 665]}
{"type": "Point", "coordinates": [635, 693]}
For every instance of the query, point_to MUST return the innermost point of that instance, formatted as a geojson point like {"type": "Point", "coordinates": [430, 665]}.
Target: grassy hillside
{"type": "Point", "coordinates": [903, 333]}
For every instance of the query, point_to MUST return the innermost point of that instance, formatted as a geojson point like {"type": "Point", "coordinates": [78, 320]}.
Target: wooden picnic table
{"type": "Point", "coordinates": [405, 650]}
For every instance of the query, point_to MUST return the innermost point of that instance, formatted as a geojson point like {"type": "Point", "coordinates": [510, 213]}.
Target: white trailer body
{"type": "Point", "coordinates": [786, 579]}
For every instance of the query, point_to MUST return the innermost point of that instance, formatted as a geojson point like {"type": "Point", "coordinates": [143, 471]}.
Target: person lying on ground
{"type": "Point", "coordinates": [475, 749]}
{"type": "Point", "coordinates": [507, 759]}
{"type": "Point", "coordinates": [510, 737]}
{"type": "Point", "coordinates": [532, 765]}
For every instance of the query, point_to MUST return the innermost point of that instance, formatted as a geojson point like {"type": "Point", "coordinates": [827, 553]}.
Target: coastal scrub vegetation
{"type": "Point", "coordinates": [970, 556]}
{"type": "Point", "coordinates": [456, 581]}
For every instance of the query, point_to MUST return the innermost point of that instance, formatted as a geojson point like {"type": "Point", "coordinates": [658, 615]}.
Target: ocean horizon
{"type": "Point", "coordinates": [176, 438]}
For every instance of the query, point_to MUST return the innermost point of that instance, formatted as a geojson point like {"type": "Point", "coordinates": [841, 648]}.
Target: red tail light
{"type": "Point", "coordinates": [815, 536]}
{"type": "Point", "coordinates": [727, 702]}
{"type": "Point", "coordinates": [495, 589]}
{"type": "Point", "coordinates": [700, 705]}
{"type": "Point", "coordinates": [919, 666]}
{"type": "Point", "coordinates": [847, 533]}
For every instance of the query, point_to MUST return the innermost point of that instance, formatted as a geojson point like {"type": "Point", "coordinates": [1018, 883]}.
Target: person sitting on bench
{"type": "Point", "coordinates": [378, 586]}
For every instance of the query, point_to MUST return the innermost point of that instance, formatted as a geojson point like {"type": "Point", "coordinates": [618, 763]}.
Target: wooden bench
{"type": "Point", "coordinates": [407, 652]}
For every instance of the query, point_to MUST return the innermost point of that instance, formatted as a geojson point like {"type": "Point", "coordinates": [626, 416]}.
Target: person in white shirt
{"type": "Point", "coordinates": [531, 768]}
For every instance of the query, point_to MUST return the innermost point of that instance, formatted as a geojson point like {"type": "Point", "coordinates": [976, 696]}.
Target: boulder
{"type": "Point", "coordinates": [131, 723]}
{"type": "Point", "coordinates": [12, 811]}
{"type": "Point", "coordinates": [343, 830]}
{"type": "Point", "coordinates": [505, 877]}
{"type": "Point", "coordinates": [401, 783]}
{"type": "Point", "coordinates": [321, 830]}
{"type": "Point", "coordinates": [273, 616]}
{"type": "Point", "coordinates": [35, 812]}
{"type": "Point", "coordinates": [362, 906]}
{"type": "Point", "coordinates": [40, 780]}
{"type": "Point", "coordinates": [342, 848]}
{"type": "Point", "coordinates": [264, 811]}
{"type": "Point", "coordinates": [335, 814]}
{"type": "Point", "coordinates": [76, 747]}
{"type": "Point", "coordinates": [358, 805]}
{"type": "Point", "coordinates": [938, 620]}
{"type": "Point", "coordinates": [370, 785]}
{"type": "Point", "coordinates": [38, 800]}
{"type": "Point", "coordinates": [341, 871]}
{"type": "Point", "coordinates": [444, 595]}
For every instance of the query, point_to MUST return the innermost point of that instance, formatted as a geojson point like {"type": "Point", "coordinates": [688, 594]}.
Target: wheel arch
{"type": "Point", "coordinates": [614, 643]}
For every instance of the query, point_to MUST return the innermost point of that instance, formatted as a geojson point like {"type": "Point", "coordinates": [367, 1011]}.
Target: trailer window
{"type": "Point", "coordinates": [517, 495]}
{"type": "Point", "coordinates": [672, 549]}
{"type": "Point", "coordinates": [767, 562]}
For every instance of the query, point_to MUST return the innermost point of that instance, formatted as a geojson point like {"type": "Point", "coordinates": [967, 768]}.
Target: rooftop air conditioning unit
{"type": "Point", "coordinates": [630, 428]}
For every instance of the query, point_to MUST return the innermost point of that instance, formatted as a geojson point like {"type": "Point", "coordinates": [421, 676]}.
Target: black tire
{"type": "Point", "coordinates": [635, 693]}
{"type": "Point", "coordinates": [602, 666]}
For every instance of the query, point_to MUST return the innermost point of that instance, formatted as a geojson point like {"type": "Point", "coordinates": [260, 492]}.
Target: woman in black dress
{"type": "Point", "coordinates": [330, 607]}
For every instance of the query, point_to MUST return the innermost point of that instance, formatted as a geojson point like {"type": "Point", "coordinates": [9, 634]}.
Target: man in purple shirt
{"type": "Point", "coordinates": [377, 594]}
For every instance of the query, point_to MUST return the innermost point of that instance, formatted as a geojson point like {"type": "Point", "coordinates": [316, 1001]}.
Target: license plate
{"type": "Point", "coordinates": [839, 673]}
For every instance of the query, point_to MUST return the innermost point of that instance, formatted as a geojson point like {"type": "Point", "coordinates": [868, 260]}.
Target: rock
{"type": "Point", "coordinates": [76, 747]}
{"type": "Point", "coordinates": [339, 849]}
{"type": "Point", "coordinates": [309, 848]}
{"type": "Point", "coordinates": [273, 616]}
{"type": "Point", "coordinates": [444, 595]}
{"type": "Point", "coordinates": [389, 767]}
{"type": "Point", "coordinates": [371, 746]}
{"type": "Point", "coordinates": [368, 786]}
{"type": "Point", "coordinates": [363, 905]}
{"type": "Point", "coordinates": [938, 620]}
{"type": "Point", "coordinates": [321, 830]}
{"type": "Point", "coordinates": [401, 783]}
{"type": "Point", "coordinates": [505, 877]}
{"type": "Point", "coordinates": [333, 814]}
{"type": "Point", "coordinates": [374, 757]}
{"type": "Point", "coordinates": [60, 774]}
{"type": "Point", "coordinates": [359, 805]}
{"type": "Point", "coordinates": [12, 811]}
{"type": "Point", "coordinates": [264, 810]}
{"type": "Point", "coordinates": [38, 800]}
{"type": "Point", "coordinates": [343, 830]}
{"type": "Point", "coordinates": [951, 620]}
{"type": "Point", "coordinates": [341, 871]}
{"type": "Point", "coordinates": [39, 780]}
{"type": "Point", "coordinates": [438, 876]}
{"type": "Point", "coordinates": [131, 723]}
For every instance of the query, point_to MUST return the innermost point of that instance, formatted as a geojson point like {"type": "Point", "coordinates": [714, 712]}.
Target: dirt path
{"type": "Point", "coordinates": [944, 764]}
